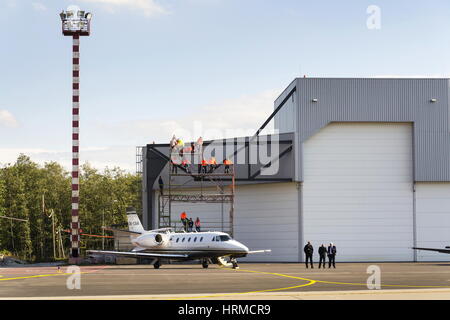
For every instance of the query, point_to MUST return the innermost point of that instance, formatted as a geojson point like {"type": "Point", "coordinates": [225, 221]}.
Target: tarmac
{"type": "Point", "coordinates": [253, 281]}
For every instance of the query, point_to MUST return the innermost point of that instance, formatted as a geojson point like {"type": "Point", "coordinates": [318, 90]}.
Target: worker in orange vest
{"type": "Point", "coordinates": [212, 164]}
{"type": "Point", "coordinates": [204, 166]}
{"type": "Point", "coordinates": [183, 217]}
{"type": "Point", "coordinates": [227, 164]}
{"type": "Point", "coordinates": [197, 224]}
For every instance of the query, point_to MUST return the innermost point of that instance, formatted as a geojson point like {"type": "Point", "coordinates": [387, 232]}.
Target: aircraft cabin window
{"type": "Point", "coordinates": [195, 239]}
{"type": "Point", "coordinates": [214, 239]}
{"type": "Point", "coordinates": [189, 240]}
{"type": "Point", "coordinates": [225, 238]}
{"type": "Point", "coordinates": [178, 239]}
{"type": "Point", "coordinates": [201, 239]}
{"type": "Point", "coordinates": [182, 240]}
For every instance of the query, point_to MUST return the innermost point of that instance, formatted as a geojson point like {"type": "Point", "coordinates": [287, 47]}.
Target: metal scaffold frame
{"type": "Point", "coordinates": [197, 183]}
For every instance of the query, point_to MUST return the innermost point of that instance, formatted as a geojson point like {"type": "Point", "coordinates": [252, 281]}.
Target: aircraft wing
{"type": "Point", "coordinates": [138, 254]}
{"type": "Point", "coordinates": [260, 251]}
{"type": "Point", "coordinates": [437, 250]}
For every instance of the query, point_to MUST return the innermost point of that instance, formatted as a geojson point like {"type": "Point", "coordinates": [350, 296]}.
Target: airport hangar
{"type": "Point", "coordinates": [363, 163]}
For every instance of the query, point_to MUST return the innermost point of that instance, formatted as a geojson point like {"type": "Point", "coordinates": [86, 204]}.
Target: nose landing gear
{"type": "Point", "coordinates": [234, 263]}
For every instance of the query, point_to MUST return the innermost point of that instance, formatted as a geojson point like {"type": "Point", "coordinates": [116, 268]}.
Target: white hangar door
{"type": "Point", "coordinates": [433, 219]}
{"type": "Point", "coordinates": [266, 217]}
{"type": "Point", "coordinates": [358, 190]}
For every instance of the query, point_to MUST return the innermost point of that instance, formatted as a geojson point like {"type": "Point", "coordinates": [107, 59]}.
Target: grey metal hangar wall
{"type": "Point", "coordinates": [373, 158]}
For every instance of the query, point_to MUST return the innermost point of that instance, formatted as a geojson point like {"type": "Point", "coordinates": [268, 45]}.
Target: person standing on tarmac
{"type": "Point", "coordinates": [309, 254]}
{"type": "Point", "coordinates": [322, 255]}
{"type": "Point", "coordinates": [331, 255]}
{"type": "Point", "coordinates": [191, 224]}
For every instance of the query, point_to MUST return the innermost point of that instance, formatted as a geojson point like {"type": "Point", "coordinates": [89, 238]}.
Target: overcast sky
{"type": "Point", "coordinates": [152, 67]}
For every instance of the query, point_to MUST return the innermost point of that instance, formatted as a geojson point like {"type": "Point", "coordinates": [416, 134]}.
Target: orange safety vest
{"type": "Point", "coordinates": [212, 161]}
{"type": "Point", "coordinates": [204, 163]}
{"type": "Point", "coordinates": [183, 215]}
{"type": "Point", "coordinates": [227, 162]}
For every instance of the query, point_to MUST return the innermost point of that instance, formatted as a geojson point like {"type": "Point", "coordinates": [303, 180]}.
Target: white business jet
{"type": "Point", "coordinates": [165, 244]}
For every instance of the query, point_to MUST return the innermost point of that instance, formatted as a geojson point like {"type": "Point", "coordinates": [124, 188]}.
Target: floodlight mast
{"type": "Point", "coordinates": [75, 23]}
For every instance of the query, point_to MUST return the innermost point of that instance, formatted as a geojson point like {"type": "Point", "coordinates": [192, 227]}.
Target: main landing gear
{"type": "Point", "coordinates": [157, 264]}
{"type": "Point", "coordinates": [234, 263]}
{"type": "Point", "coordinates": [205, 264]}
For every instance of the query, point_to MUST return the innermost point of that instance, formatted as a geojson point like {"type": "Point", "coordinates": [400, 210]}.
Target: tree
{"type": "Point", "coordinates": [29, 191]}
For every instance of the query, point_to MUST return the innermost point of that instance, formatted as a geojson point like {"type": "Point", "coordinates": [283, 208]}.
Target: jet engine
{"type": "Point", "coordinates": [151, 240]}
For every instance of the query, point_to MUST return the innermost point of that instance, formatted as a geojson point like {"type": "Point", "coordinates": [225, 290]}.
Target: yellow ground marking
{"type": "Point", "coordinates": [310, 282]}
{"type": "Point", "coordinates": [350, 283]}
{"type": "Point", "coordinates": [47, 275]}
{"type": "Point", "coordinates": [40, 276]}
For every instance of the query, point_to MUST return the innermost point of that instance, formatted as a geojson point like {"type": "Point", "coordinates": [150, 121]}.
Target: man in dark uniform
{"type": "Point", "coordinates": [322, 255]}
{"type": "Point", "coordinates": [161, 185]}
{"type": "Point", "coordinates": [309, 254]}
{"type": "Point", "coordinates": [331, 255]}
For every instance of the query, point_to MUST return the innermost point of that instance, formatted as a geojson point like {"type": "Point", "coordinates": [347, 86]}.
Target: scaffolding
{"type": "Point", "coordinates": [191, 181]}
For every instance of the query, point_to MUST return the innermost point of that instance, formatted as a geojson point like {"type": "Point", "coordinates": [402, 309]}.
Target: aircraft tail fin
{"type": "Point", "coordinates": [134, 224]}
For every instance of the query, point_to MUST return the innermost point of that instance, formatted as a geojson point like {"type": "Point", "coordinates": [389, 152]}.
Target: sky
{"type": "Point", "coordinates": [152, 68]}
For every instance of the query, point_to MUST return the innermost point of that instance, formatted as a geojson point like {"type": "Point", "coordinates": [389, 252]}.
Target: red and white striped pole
{"type": "Point", "coordinates": [75, 23]}
{"type": "Point", "coordinates": [75, 236]}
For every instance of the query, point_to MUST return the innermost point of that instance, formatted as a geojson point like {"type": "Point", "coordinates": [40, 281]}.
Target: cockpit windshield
{"type": "Point", "coordinates": [224, 238]}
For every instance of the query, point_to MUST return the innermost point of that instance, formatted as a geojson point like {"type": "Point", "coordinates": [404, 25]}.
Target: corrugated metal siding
{"type": "Point", "coordinates": [285, 119]}
{"type": "Point", "coordinates": [382, 100]}
{"type": "Point", "coordinates": [266, 217]}
{"type": "Point", "coordinates": [358, 191]}
{"type": "Point", "coordinates": [433, 219]}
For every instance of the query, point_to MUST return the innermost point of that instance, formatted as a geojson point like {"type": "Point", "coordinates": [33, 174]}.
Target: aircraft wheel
{"type": "Point", "coordinates": [234, 263]}
{"type": "Point", "coordinates": [205, 264]}
{"type": "Point", "coordinates": [156, 265]}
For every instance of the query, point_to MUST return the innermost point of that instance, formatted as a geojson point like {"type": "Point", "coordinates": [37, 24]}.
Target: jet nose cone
{"type": "Point", "coordinates": [243, 247]}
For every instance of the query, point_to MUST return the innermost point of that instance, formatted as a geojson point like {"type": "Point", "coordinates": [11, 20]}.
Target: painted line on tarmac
{"type": "Point", "coordinates": [309, 283]}
{"type": "Point", "coordinates": [382, 285]}
{"type": "Point", "coordinates": [351, 283]}
{"type": "Point", "coordinates": [50, 275]}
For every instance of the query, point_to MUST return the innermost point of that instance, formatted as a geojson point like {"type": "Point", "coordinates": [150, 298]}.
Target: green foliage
{"type": "Point", "coordinates": [32, 192]}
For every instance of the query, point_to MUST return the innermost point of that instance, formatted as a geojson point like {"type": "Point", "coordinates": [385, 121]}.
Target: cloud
{"type": "Point", "coordinates": [39, 6]}
{"type": "Point", "coordinates": [234, 117]}
{"type": "Point", "coordinates": [149, 8]}
{"type": "Point", "coordinates": [7, 119]}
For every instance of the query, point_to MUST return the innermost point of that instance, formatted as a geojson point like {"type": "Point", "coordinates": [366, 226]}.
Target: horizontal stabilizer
{"type": "Point", "coordinates": [260, 251]}
{"type": "Point", "coordinates": [436, 250]}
